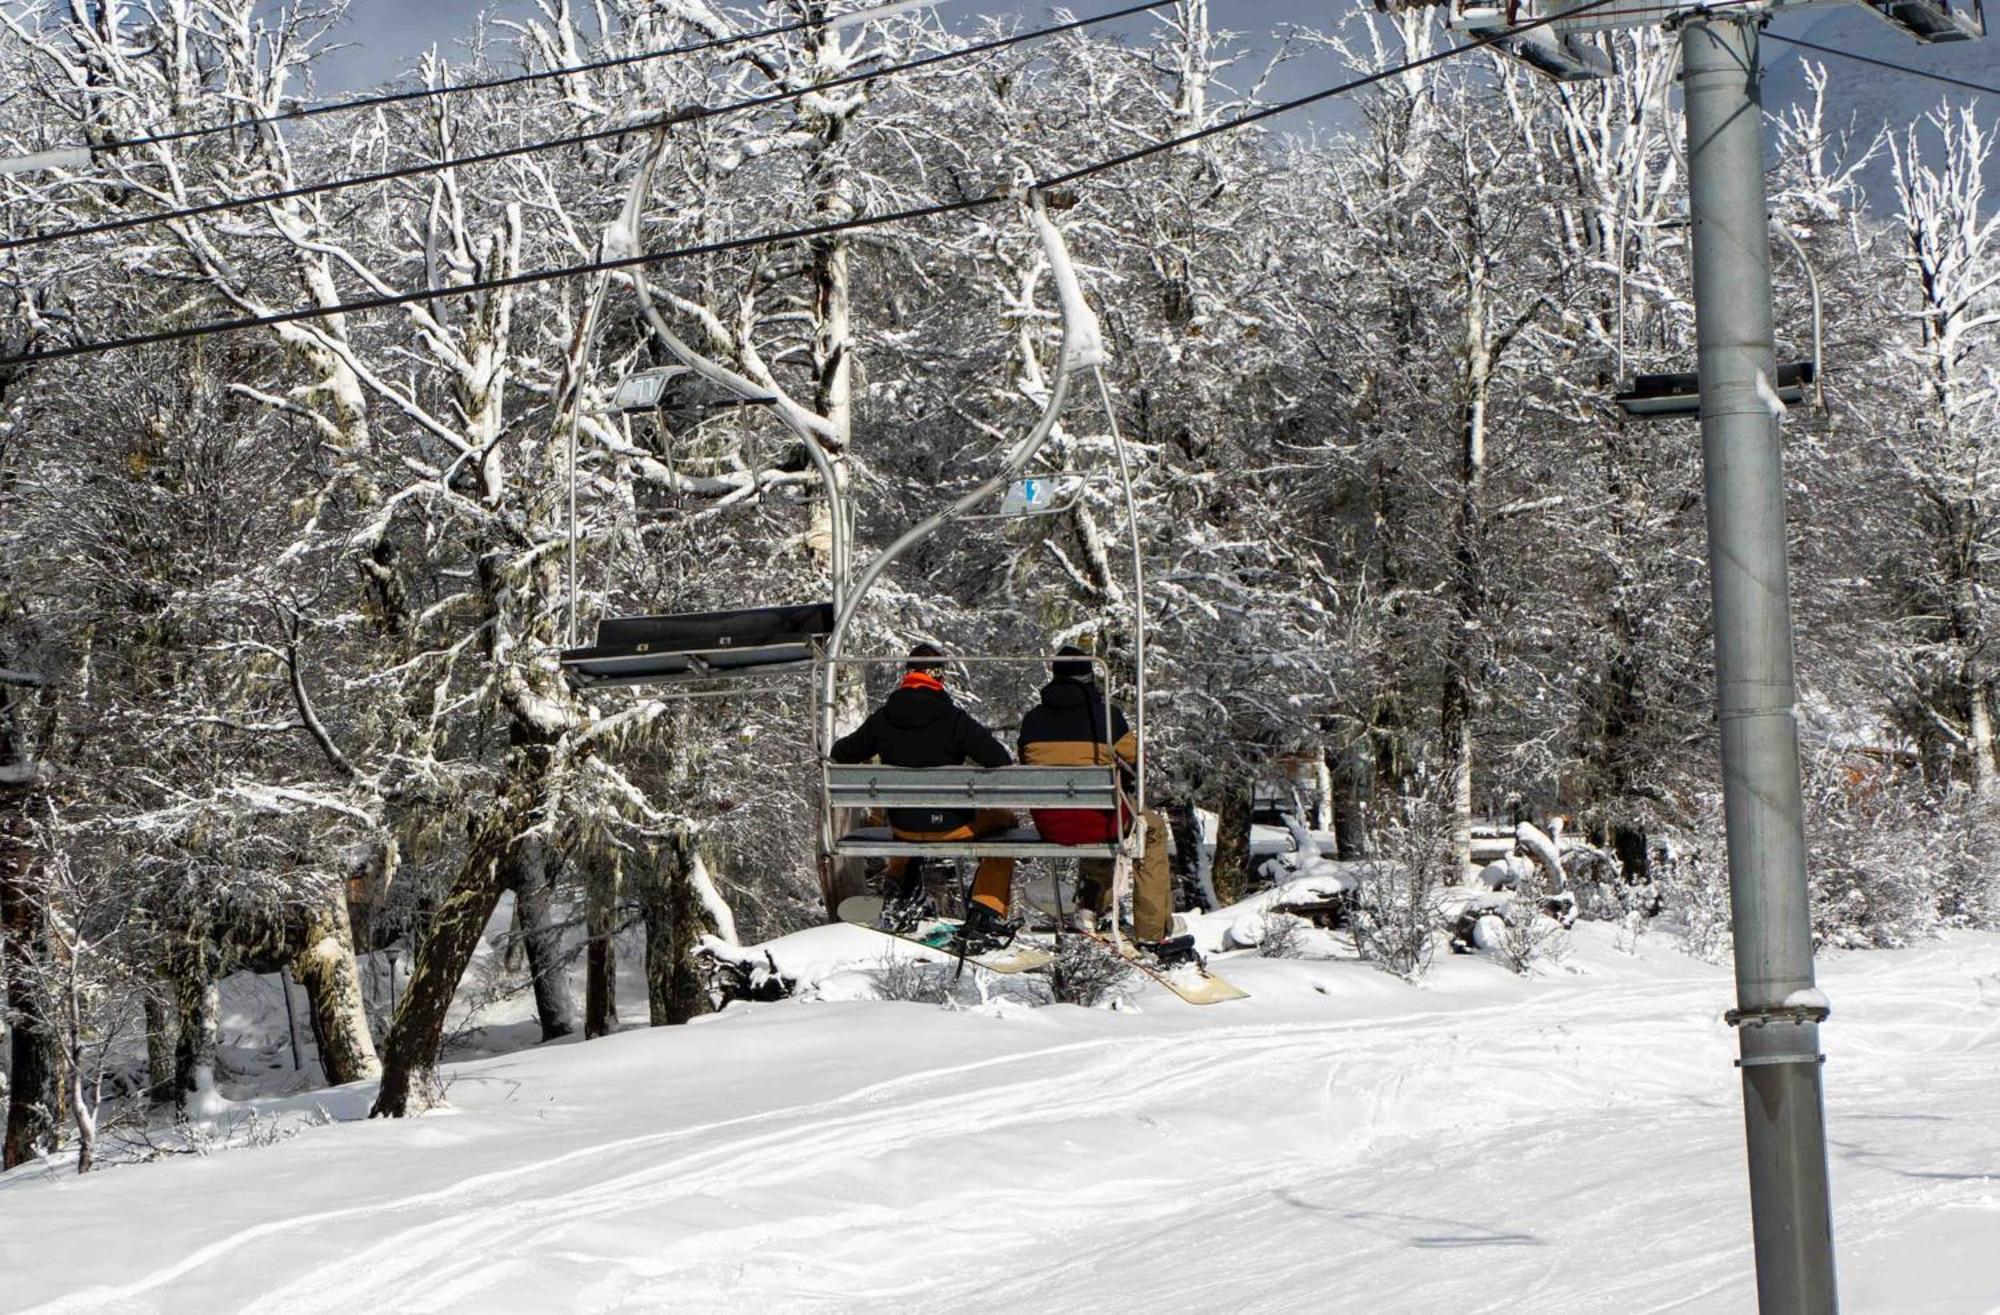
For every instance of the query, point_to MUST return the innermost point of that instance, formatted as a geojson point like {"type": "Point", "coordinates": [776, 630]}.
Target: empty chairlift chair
{"type": "Point", "coordinates": [1932, 21]}
{"type": "Point", "coordinates": [700, 646]}
{"type": "Point", "coordinates": [1660, 396]}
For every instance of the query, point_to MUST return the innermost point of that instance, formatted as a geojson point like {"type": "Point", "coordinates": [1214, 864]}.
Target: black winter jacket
{"type": "Point", "coordinates": [919, 727]}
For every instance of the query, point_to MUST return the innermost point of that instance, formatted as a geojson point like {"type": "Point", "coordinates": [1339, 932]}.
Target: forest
{"type": "Point", "coordinates": [280, 607]}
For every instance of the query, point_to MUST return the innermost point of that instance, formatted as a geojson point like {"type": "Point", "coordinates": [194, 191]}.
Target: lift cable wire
{"type": "Point", "coordinates": [640, 124]}
{"type": "Point", "coordinates": [487, 84]}
{"type": "Point", "coordinates": [1925, 74]}
{"type": "Point", "coordinates": [1483, 42]}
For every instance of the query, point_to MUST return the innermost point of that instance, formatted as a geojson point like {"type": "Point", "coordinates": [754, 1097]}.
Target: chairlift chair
{"type": "Point", "coordinates": [848, 789]}
{"type": "Point", "coordinates": [1678, 394]}
{"type": "Point", "coordinates": [698, 646]}
{"type": "Point", "coordinates": [864, 788]}
{"type": "Point", "coordinates": [689, 648]}
{"type": "Point", "coordinates": [1934, 21]}
{"type": "Point", "coordinates": [1665, 396]}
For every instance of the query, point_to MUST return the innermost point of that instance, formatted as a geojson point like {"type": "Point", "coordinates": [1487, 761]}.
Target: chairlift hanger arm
{"type": "Point", "coordinates": [820, 439]}
{"type": "Point", "coordinates": [1083, 346]}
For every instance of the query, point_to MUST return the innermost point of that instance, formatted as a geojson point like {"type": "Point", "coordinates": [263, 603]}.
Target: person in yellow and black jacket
{"type": "Point", "coordinates": [918, 725]}
{"type": "Point", "coordinates": [1071, 727]}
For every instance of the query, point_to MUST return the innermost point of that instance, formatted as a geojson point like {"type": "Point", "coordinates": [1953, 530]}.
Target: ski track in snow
{"type": "Point", "coordinates": [1481, 1159]}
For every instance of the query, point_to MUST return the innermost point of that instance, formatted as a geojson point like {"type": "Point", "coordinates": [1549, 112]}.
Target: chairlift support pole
{"type": "Point", "coordinates": [1784, 1118]}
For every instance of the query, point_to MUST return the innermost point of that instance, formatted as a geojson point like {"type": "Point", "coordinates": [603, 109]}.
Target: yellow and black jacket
{"type": "Point", "coordinates": [1067, 729]}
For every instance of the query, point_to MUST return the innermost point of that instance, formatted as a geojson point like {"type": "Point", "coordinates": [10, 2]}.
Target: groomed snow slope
{"type": "Point", "coordinates": [1341, 1142]}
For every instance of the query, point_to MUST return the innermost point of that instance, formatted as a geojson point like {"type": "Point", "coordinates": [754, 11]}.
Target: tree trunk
{"type": "Point", "coordinates": [34, 1089]}
{"type": "Point", "coordinates": [409, 1058]}
{"type": "Point", "coordinates": [1349, 766]}
{"type": "Point", "coordinates": [532, 878]}
{"type": "Point", "coordinates": [1231, 872]}
{"type": "Point", "coordinates": [196, 1079]}
{"type": "Point", "coordinates": [160, 1024]}
{"type": "Point", "coordinates": [1468, 583]}
{"type": "Point", "coordinates": [600, 980]}
{"type": "Point", "coordinates": [326, 968]}
{"type": "Point", "coordinates": [842, 877]}
{"type": "Point", "coordinates": [1455, 731]}
{"type": "Point", "coordinates": [676, 987]}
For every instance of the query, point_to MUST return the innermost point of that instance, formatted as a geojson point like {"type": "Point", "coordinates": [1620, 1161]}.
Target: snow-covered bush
{"type": "Point", "coordinates": [1890, 862]}
{"type": "Point", "coordinates": [911, 980]}
{"type": "Point", "coordinates": [1087, 974]}
{"type": "Point", "coordinates": [1396, 911]}
{"type": "Point", "coordinates": [1287, 936]}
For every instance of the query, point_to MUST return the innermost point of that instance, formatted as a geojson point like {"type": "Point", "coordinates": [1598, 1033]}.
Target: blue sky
{"type": "Point", "coordinates": [384, 36]}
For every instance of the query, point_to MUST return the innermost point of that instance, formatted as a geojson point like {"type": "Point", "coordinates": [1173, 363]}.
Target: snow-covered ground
{"type": "Point", "coordinates": [1340, 1142]}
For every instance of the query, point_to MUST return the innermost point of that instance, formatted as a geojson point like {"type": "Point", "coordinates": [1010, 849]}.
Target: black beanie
{"type": "Point", "coordinates": [926, 651]}
{"type": "Point", "coordinates": [1072, 670]}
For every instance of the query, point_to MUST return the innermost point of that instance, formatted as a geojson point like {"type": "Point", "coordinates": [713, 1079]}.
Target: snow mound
{"type": "Point", "coordinates": [830, 962]}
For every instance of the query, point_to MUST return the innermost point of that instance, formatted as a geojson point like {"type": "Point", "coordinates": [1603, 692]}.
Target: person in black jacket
{"type": "Point", "coordinates": [919, 726]}
{"type": "Point", "coordinates": [1071, 727]}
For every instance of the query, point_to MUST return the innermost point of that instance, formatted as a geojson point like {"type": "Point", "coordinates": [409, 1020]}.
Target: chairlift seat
{"type": "Point", "coordinates": [691, 646]}
{"type": "Point", "coordinates": [868, 786]}
{"type": "Point", "coordinates": [1932, 21]}
{"type": "Point", "coordinates": [1655, 396]}
{"type": "Point", "coordinates": [1021, 842]}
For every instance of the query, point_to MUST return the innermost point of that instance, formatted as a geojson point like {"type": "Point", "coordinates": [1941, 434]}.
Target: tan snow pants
{"type": "Point", "coordinates": [1152, 884]}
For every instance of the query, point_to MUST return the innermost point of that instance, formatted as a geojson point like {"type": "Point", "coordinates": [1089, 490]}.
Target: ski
{"type": "Point", "coordinates": [866, 911]}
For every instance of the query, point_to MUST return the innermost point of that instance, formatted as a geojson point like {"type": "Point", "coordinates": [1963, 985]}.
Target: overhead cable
{"type": "Point", "coordinates": [623, 128]}
{"type": "Point", "coordinates": [422, 295]}
{"type": "Point", "coordinates": [1946, 78]}
{"type": "Point", "coordinates": [378, 99]}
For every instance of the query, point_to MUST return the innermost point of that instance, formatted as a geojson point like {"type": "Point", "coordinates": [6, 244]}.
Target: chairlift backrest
{"type": "Point", "coordinates": [869, 785]}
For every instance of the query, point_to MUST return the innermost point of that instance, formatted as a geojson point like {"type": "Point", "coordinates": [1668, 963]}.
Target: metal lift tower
{"type": "Point", "coordinates": [1778, 1009]}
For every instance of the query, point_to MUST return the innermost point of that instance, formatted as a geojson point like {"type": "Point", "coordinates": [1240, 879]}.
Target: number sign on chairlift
{"type": "Point", "coordinates": [1036, 495]}
{"type": "Point", "coordinates": [642, 390]}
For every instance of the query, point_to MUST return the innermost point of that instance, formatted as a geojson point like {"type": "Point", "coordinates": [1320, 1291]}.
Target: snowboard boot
{"type": "Point", "coordinates": [983, 930]}
{"type": "Point", "coordinates": [1171, 953]}
{"type": "Point", "coordinates": [909, 914]}
{"type": "Point", "coordinates": [907, 906]}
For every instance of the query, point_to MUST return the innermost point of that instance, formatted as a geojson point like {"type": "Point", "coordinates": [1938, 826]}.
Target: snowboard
{"type": "Point", "coordinates": [865, 910]}
{"type": "Point", "coordinates": [1192, 982]}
